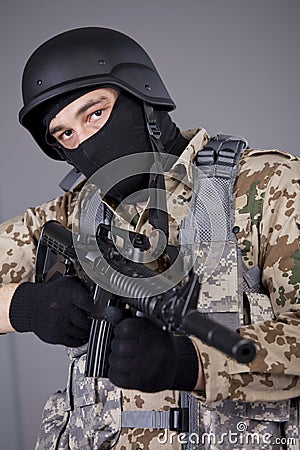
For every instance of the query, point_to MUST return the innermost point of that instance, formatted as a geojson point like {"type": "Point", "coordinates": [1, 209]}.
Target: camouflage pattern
{"type": "Point", "coordinates": [245, 426]}
{"type": "Point", "coordinates": [85, 416]}
{"type": "Point", "coordinates": [269, 238]}
{"type": "Point", "coordinates": [267, 212]}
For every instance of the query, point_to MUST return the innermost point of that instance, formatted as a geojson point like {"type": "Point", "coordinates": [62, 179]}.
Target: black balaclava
{"type": "Point", "coordinates": [125, 133]}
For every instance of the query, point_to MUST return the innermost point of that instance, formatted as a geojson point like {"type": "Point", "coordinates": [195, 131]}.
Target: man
{"type": "Point", "coordinates": [92, 96]}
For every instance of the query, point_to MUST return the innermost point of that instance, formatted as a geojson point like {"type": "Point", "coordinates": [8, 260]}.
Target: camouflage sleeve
{"type": "Point", "coordinates": [19, 237]}
{"type": "Point", "coordinates": [273, 242]}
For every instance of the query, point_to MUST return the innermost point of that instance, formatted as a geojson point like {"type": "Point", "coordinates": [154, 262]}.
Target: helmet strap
{"type": "Point", "coordinates": [153, 128]}
{"type": "Point", "coordinates": [158, 216]}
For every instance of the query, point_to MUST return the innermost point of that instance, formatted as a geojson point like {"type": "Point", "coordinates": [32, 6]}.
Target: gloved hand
{"type": "Point", "coordinates": [57, 311]}
{"type": "Point", "coordinates": [145, 357]}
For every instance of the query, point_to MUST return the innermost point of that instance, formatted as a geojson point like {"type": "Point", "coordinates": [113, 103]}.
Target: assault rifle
{"type": "Point", "coordinates": [174, 309]}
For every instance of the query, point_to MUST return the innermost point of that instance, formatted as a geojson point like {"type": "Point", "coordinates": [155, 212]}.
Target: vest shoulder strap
{"type": "Point", "coordinates": [221, 155]}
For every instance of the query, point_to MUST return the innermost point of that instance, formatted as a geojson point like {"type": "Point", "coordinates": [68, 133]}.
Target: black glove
{"type": "Point", "coordinates": [145, 357]}
{"type": "Point", "coordinates": [57, 311]}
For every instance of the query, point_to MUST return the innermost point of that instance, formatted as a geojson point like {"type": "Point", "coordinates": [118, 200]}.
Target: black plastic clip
{"type": "Point", "coordinates": [226, 156]}
{"type": "Point", "coordinates": [154, 130]}
{"type": "Point", "coordinates": [179, 419]}
{"type": "Point", "coordinates": [206, 157]}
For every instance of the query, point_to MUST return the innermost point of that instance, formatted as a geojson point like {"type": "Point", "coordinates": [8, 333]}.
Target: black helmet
{"type": "Point", "coordinates": [86, 57]}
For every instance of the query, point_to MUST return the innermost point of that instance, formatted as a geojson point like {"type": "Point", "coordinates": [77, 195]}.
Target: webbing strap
{"type": "Point", "coordinates": [207, 234]}
{"type": "Point", "coordinates": [252, 279]}
{"type": "Point", "coordinates": [211, 235]}
{"type": "Point", "coordinates": [219, 159]}
{"type": "Point", "coordinates": [158, 216]}
{"type": "Point", "coordinates": [175, 419]}
{"type": "Point", "coordinates": [70, 179]}
{"type": "Point", "coordinates": [145, 419]}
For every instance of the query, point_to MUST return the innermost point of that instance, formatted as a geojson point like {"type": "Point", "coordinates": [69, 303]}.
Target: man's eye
{"type": "Point", "coordinates": [66, 134]}
{"type": "Point", "coordinates": [97, 114]}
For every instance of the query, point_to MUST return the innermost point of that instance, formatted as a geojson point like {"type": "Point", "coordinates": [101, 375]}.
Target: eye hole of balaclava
{"type": "Point", "coordinates": [124, 133]}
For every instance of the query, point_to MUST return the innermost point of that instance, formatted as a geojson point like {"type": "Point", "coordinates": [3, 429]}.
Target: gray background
{"type": "Point", "coordinates": [231, 66]}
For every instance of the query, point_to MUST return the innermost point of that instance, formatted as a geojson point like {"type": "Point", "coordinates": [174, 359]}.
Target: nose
{"type": "Point", "coordinates": [83, 134]}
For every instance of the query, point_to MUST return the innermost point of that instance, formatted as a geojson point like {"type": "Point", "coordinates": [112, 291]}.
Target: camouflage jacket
{"type": "Point", "coordinates": [267, 214]}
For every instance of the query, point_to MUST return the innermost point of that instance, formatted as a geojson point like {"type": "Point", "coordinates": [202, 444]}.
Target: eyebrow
{"type": "Point", "coordinates": [89, 104]}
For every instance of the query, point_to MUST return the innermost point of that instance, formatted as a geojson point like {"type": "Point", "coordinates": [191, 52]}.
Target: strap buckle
{"type": "Point", "coordinates": [226, 156]}
{"type": "Point", "coordinates": [222, 150]}
{"type": "Point", "coordinates": [154, 129]}
{"type": "Point", "coordinates": [206, 157]}
{"type": "Point", "coordinates": [152, 125]}
{"type": "Point", "coordinates": [179, 419]}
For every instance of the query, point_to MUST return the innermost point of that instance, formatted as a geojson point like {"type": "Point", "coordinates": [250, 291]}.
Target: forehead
{"type": "Point", "coordinates": [95, 96]}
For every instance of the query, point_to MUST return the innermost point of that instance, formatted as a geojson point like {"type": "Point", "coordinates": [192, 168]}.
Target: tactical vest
{"type": "Point", "coordinates": [229, 290]}
{"type": "Point", "coordinates": [209, 236]}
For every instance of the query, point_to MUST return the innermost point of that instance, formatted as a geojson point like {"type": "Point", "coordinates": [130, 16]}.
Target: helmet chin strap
{"type": "Point", "coordinates": [158, 216]}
